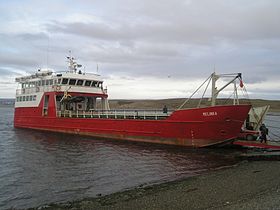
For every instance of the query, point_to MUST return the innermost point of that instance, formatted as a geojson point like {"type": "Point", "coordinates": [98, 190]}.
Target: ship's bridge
{"type": "Point", "coordinates": [73, 80]}
{"type": "Point", "coordinates": [73, 83]}
{"type": "Point", "coordinates": [79, 82]}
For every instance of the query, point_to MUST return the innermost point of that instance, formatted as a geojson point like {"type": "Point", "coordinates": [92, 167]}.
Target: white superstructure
{"type": "Point", "coordinates": [32, 88]}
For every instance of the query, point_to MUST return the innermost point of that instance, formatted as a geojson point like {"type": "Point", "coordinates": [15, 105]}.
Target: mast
{"type": "Point", "coordinates": [73, 65]}
{"type": "Point", "coordinates": [215, 91]}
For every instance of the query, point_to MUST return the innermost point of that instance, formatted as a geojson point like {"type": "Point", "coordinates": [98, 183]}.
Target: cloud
{"type": "Point", "coordinates": [180, 39]}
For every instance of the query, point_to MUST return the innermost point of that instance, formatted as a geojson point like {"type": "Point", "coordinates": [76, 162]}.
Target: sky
{"type": "Point", "coordinates": [145, 49]}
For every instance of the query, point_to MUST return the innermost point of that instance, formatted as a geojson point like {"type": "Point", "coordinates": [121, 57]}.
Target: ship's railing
{"type": "Point", "coordinates": [59, 88]}
{"type": "Point", "coordinates": [116, 114]}
{"type": "Point", "coordinates": [35, 90]}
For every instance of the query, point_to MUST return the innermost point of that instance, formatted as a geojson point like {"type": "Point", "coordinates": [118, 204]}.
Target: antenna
{"type": "Point", "coordinates": [48, 49]}
{"type": "Point", "coordinates": [97, 67]}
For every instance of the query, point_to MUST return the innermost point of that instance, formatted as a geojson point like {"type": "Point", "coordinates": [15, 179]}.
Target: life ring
{"type": "Point", "coordinates": [57, 88]}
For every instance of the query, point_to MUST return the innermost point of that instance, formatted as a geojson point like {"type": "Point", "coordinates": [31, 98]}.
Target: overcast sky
{"type": "Point", "coordinates": [145, 49]}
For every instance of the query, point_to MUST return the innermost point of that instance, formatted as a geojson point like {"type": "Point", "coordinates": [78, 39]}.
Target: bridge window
{"type": "Point", "coordinates": [87, 83]}
{"type": "Point", "coordinates": [51, 82]}
{"type": "Point", "coordinates": [64, 81]}
{"type": "Point", "coordinates": [47, 82]}
{"type": "Point", "coordinates": [100, 84]}
{"type": "Point", "coordinates": [43, 82]}
{"type": "Point", "coordinates": [80, 82]}
{"type": "Point", "coordinates": [72, 82]}
{"type": "Point", "coordinates": [94, 84]}
{"type": "Point", "coordinates": [58, 81]}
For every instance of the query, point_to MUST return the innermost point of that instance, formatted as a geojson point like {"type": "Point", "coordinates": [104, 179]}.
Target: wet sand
{"type": "Point", "coordinates": [248, 185]}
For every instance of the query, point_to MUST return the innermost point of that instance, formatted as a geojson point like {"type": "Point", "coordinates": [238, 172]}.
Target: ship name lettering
{"type": "Point", "coordinates": [206, 114]}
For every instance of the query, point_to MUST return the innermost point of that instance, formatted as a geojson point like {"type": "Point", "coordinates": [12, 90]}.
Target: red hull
{"type": "Point", "coordinates": [198, 127]}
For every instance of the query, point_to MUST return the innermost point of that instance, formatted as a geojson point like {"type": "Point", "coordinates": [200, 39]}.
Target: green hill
{"type": "Point", "coordinates": [175, 103]}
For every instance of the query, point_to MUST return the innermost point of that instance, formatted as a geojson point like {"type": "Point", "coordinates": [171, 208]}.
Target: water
{"type": "Point", "coordinates": [272, 121]}
{"type": "Point", "coordinates": [37, 168]}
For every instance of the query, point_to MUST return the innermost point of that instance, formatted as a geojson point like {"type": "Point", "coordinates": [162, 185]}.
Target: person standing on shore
{"type": "Point", "coordinates": [264, 132]}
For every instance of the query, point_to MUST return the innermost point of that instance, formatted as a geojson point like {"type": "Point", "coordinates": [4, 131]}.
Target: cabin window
{"type": "Point", "coordinates": [87, 83]}
{"type": "Point", "coordinates": [55, 81]}
{"type": "Point", "coordinates": [58, 81]}
{"type": "Point", "coordinates": [80, 82]}
{"type": "Point", "coordinates": [94, 84]}
{"type": "Point", "coordinates": [39, 83]}
{"type": "Point", "coordinates": [34, 98]}
{"type": "Point", "coordinates": [43, 82]}
{"type": "Point", "coordinates": [72, 82]}
{"type": "Point", "coordinates": [47, 82]}
{"type": "Point", "coordinates": [32, 84]}
{"type": "Point", "coordinates": [20, 98]}
{"type": "Point", "coordinates": [23, 98]}
{"type": "Point", "coordinates": [64, 81]}
{"type": "Point", "coordinates": [51, 82]}
{"type": "Point", "coordinates": [100, 84]}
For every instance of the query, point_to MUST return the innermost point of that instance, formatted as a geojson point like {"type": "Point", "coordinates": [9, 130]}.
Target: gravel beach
{"type": "Point", "coordinates": [248, 185]}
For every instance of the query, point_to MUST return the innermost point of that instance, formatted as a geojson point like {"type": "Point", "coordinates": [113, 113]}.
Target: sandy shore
{"type": "Point", "coordinates": [248, 185]}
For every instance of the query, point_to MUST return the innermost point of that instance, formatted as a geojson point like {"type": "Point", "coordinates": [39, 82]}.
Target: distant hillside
{"type": "Point", "coordinates": [170, 103]}
{"type": "Point", "coordinates": [175, 103]}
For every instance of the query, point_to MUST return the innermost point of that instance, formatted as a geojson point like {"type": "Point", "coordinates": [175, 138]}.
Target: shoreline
{"type": "Point", "coordinates": [246, 185]}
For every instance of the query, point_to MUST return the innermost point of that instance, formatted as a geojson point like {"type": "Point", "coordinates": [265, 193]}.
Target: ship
{"type": "Point", "coordinates": [76, 103]}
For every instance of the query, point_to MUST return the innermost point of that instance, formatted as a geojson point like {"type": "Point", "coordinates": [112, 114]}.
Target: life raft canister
{"type": "Point", "coordinates": [57, 88]}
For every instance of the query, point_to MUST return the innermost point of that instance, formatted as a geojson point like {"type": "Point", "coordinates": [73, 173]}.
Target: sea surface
{"type": "Point", "coordinates": [38, 168]}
